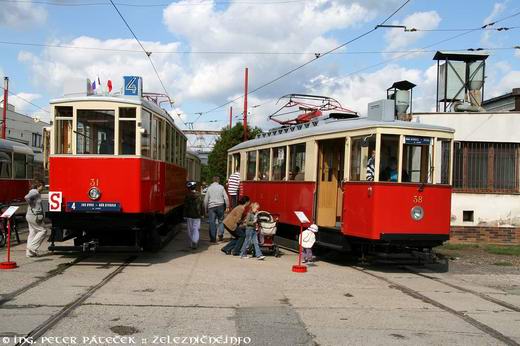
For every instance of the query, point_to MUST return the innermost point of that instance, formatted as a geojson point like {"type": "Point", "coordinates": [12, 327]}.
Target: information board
{"type": "Point", "coordinates": [94, 206]}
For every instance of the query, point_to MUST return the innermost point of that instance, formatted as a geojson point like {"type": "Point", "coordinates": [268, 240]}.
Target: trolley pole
{"type": "Point", "coordinates": [230, 117]}
{"type": "Point", "coordinates": [245, 105]}
{"type": "Point", "coordinates": [4, 113]}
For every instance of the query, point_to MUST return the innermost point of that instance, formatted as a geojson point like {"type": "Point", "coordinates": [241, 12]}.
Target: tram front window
{"type": "Point", "coordinates": [95, 132]}
{"type": "Point", "coordinates": [417, 159]}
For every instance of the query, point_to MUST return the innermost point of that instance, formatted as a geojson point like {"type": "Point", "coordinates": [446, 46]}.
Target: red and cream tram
{"type": "Point", "coordinates": [16, 171]}
{"type": "Point", "coordinates": [117, 171]}
{"type": "Point", "coordinates": [320, 167]}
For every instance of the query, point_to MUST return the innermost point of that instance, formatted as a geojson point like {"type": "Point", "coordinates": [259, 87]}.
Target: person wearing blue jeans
{"type": "Point", "coordinates": [216, 216]}
{"type": "Point", "coordinates": [215, 202]}
{"type": "Point", "coordinates": [251, 234]}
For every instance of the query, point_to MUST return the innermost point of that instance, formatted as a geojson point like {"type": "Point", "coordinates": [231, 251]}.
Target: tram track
{"type": "Point", "coordinates": [51, 274]}
{"type": "Point", "coordinates": [41, 329]}
{"type": "Point", "coordinates": [417, 295]}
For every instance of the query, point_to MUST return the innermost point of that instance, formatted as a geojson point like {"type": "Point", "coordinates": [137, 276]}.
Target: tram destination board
{"type": "Point", "coordinates": [414, 140]}
{"type": "Point", "coordinates": [94, 206]}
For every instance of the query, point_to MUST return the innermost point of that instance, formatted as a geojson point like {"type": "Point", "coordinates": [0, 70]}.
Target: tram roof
{"type": "Point", "coordinates": [116, 99]}
{"type": "Point", "coordinates": [330, 126]}
{"type": "Point", "coordinates": [12, 146]}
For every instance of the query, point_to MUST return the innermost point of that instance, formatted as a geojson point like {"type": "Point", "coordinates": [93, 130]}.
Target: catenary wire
{"type": "Point", "coordinates": [148, 54]}
{"type": "Point", "coordinates": [306, 63]}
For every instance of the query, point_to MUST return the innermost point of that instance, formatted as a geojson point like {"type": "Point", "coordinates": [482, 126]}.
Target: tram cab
{"type": "Point", "coordinates": [117, 171]}
{"type": "Point", "coordinates": [359, 180]}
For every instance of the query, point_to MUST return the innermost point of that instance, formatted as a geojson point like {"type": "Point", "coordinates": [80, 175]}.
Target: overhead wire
{"type": "Point", "coordinates": [148, 54]}
{"type": "Point", "coordinates": [25, 100]}
{"type": "Point", "coordinates": [306, 63]}
{"type": "Point", "coordinates": [163, 4]}
{"type": "Point", "coordinates": [384, 62]}
{"type": "Point", "coordinates": [119, 50]}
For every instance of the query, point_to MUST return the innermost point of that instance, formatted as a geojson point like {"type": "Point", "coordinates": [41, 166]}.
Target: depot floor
{"type": "Point", "coordinates": [181, 292]}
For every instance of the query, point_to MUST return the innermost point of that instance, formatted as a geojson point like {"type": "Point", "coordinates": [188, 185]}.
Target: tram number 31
{"type": "Point", "coordinates": [417, 199]}
{"type": "Point", "coordinates": [94, 182]}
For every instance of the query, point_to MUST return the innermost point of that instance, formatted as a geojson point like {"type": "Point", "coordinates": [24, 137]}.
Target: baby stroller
{"type": "Point", "coordinates": [268, 224]}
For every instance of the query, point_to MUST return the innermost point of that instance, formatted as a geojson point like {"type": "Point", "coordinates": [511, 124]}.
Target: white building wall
{"type": "Point", "coordinates": [489, 209]}
{"type": "Point", "coordinates": [20, 128]}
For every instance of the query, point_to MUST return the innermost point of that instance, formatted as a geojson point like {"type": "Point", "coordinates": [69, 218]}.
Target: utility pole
{"type": "Point", "coordinates": [245, 106]}
{"type": "Point", "coordinates": [4, 115]}
{"type": "Point", "coordinates": [230, 117]}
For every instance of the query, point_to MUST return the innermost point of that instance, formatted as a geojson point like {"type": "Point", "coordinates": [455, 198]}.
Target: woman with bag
{"type": "Point", "coordinates": [34, 217]}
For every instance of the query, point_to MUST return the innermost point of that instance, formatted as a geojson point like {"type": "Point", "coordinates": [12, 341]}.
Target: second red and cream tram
{"type": "Point", "coordinates": [117, 171]}
{"type": "Point", "coordinates": [362, 181]}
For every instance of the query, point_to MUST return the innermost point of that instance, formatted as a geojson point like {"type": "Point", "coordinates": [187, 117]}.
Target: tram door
{"type": "Point", "coordinates": [330, 174]}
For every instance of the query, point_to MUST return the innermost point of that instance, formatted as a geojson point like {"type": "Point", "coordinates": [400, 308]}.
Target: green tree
{"type": "Point", "coordinates": [217, 158]}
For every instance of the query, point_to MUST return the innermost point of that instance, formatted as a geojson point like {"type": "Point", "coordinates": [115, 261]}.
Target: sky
{"type": "Point", "coordinates": [201, 48]}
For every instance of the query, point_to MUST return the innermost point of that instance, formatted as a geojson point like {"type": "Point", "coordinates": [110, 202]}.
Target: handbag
{"type": "Point", "coordinates": [39, 215]}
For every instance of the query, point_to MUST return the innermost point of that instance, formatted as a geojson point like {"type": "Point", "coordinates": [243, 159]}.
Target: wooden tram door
{"type": "Point", "coordinates": [330, 174]}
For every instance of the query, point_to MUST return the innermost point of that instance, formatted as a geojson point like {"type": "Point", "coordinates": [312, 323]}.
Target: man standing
{"type": "Point", "coordinates": [216, 202]}
{"type": "Point", "coordinates": [234, 187]}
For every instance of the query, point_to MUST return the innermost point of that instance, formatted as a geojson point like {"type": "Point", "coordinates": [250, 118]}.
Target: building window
{"type": "Point", "coordinates": [36, 140]}
{"type": "Point", "coordinates": [486, 167]}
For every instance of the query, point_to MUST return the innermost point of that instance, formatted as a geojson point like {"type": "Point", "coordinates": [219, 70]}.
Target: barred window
{"type": "Point", "coordinates": [486, 167]}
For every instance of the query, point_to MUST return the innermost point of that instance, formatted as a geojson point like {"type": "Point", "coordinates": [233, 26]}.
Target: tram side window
{"type": "Point", "coordinates": [5, 165]}
{"type": "Point", "coordinates": [442, 161]}
{"type": "Point", "coordinates": [146, 133]}
{"type": "Point", "coordinates": [278, 164]}
{"type": "Point", "coordinates": [263, 164]}
{"type": "Point", "coordinates": [389, 159]}
{"type": "Point", "coordinates": [155, 137]}
{"type": "Point", "coordinates": [30, 166]}
{"type": "Point", "coordinates": [362, 158]}
{"type": "Point", "coordinates": [168, 142]}
{"type": "Point", "coordinates": [297, 162]}
{"type": "Point", "coordinates": [177, 148]}
{"type": "Point", "coordinates": [95, 132]}
{"type": "Point", "coordinates": [251, 165]}
{"type": "Point", "coordinates": [417, 159]}
{"type": "Point", "coordinates": [64, 136]}
{"type": "Point", "coordinates": [127, 131]}
{"type": "Point", "coordinates": [19, 166]}
{"type": "Point", "coordinates": [172, 145]}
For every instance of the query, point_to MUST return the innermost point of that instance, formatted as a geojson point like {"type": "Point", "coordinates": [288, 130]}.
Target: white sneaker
{"type": "Point", "coordinates": [244, 257]}
{"type": "Point", "coordinates": [261, 258]}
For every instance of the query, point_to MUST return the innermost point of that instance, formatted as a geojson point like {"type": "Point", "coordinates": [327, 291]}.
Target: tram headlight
{"type": "Point", "coordinates": [94, 193]}
{"type": "Point", "coordinates": [417, 213]}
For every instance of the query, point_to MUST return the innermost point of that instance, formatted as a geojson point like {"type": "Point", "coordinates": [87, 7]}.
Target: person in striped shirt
{"type": "Point", "coordinates": [233, 187]}
{"type": "Point", "coordinates": [371, 166]}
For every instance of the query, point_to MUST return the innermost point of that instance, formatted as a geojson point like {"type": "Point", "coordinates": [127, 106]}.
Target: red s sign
{"type": "Point", "coordinates": [55, 199]}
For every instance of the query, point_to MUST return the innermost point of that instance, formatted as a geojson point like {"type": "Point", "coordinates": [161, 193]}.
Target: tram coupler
{"type": "Point", "coordinates": [90, 246]}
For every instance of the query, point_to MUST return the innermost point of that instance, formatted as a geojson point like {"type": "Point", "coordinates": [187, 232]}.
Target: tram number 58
{"type": "Point", "coordinates": [94, 182]}
{"type": "Point", "coordinates": [417, 199]}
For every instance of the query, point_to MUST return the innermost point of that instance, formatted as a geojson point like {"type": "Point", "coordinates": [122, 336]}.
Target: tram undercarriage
{"type": "Point", "coordinates": [120, 232]}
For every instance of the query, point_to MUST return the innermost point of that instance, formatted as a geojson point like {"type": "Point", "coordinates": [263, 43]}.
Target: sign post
{"type": "Point", "coordinates": [7, 215]}
{"type": "Point", "coordinates": [299, 268]}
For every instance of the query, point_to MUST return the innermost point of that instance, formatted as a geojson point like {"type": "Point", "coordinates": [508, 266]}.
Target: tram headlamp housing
{"type": "Point", "coordinates": [94, 193]}
{"type": "Point", "coordinates": [417, 213]}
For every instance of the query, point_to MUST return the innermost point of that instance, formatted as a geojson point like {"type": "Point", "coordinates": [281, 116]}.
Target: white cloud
{"type": "Point", "coordinates": [275, 28]}
{"type": "Point", "coordinates": [355, 92]}
{"type": "Point", "coordinates": [398, 38]}
{"type": "Point", "coordinates": [498, 8]}
{"type": "Point", "coordinates": [21, 15]}
{"type": "Point", "coordinates": [54, 68]}
{"type": "Point", "coordinates": [21, 101]}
